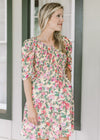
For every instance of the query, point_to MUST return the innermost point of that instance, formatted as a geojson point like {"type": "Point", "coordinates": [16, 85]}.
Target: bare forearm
{"type": "Point", "coordinates": [28, 93]}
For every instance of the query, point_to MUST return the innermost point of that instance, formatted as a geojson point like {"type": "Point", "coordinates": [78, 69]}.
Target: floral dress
{"type": "Point", "coordinates": [52, 93]}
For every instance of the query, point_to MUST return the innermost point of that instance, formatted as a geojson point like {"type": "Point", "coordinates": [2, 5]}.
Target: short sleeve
{"type": "Point", "coordinates": [28, 61]}
{"type": "Point", "coordinates": [68, 53]}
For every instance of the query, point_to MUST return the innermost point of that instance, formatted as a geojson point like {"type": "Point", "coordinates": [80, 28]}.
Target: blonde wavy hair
{"type": "Point", "coordinates": [44, 15]}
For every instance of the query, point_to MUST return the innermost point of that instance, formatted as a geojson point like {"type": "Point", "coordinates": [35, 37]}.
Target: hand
{"type": "Point", "coordinates": [68, 72]}
{"type": "Point", "coordinates": [32, 116]}
{"type": "Point", "coordinates": [69, 77]}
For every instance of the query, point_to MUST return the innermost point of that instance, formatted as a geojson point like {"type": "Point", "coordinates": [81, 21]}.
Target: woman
{"type": "Point", "coordinates": [46, 75]}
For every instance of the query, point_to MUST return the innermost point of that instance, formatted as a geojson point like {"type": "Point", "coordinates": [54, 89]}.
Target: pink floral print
{"type": "Point", "coordinates": [52, 93]}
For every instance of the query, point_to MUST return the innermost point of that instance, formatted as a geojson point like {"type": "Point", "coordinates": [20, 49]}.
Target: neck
{"type": "Point", "coordinates": [47, 35]}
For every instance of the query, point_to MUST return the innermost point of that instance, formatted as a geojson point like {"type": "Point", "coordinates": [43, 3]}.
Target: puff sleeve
{"type": "Point", "coordinates": [27, 61]}
{"type": "Point", "coordinates": [68, 53]}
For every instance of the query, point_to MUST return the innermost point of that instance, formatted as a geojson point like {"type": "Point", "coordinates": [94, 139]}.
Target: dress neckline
{"type": "Point", "coordinates": [44, 43]}
{"type": "Point", "coordinates": [49, 46]}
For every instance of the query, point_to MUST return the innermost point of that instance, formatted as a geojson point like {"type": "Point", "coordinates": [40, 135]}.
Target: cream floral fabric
{"type": "Point", "coordinates": [52, 92]}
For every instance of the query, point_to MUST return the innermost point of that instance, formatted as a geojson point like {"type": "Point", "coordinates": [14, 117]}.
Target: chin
{"type": "Point", "coordinates": [58, 29]}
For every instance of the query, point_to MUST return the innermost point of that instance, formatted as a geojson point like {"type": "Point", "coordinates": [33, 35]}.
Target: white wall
{"type": "Point", "coordinates": [90, 74]}
{"type": "Point", "coordinates": [17, 84]}
{"type": "Point", "coordinates": [10, 129]}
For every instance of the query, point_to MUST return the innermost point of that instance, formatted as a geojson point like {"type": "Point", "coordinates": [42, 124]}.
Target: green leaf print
{"type": "Point", "coordinates": [63, 115]}
{"type": "Point", "coordinates": [50, 89]}
{"type": "Point", "coordinates": [57, 94]}
{"type": "Point", "coordinates": [47, 106]}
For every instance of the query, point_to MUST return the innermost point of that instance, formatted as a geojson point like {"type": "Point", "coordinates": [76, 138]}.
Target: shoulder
{"type": "Point", "coordinates": [29, 43]}
{"type": "Point", "coordinates": [67, 43]}
{"type": "Point", "coordinates": [66, 40]}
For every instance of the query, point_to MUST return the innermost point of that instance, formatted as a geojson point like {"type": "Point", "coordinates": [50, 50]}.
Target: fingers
{"type": "Point", "coordinates": [33, 116]}
{"type": "Point", "coordinates": [33, 120]}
